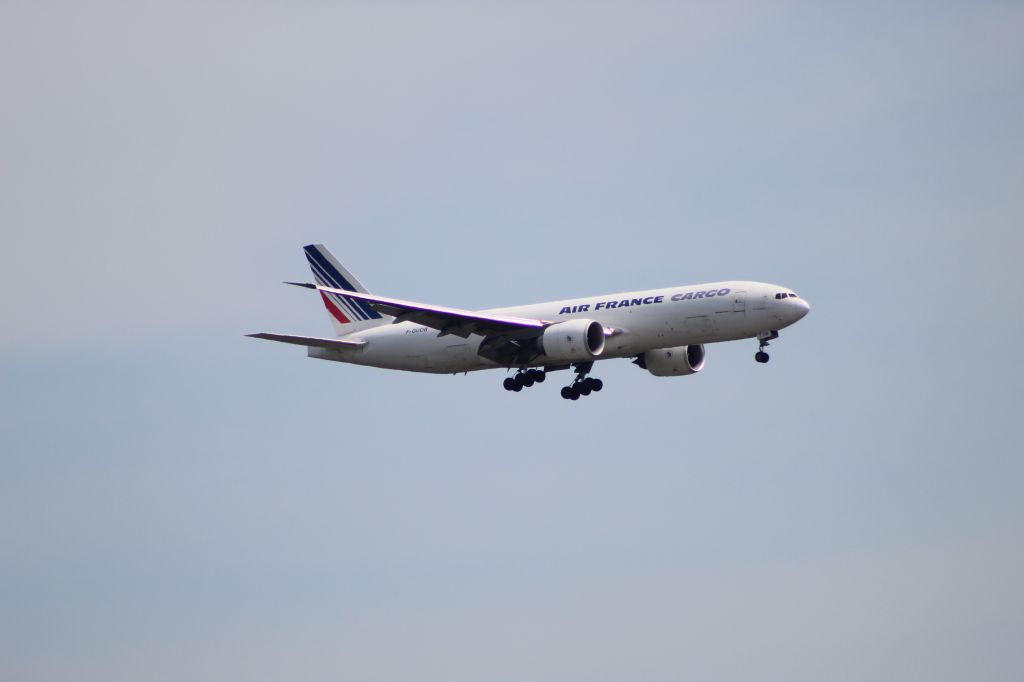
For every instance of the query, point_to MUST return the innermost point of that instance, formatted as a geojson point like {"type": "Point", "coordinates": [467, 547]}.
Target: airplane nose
{"type": "Point", "coordinates": [802, 308]}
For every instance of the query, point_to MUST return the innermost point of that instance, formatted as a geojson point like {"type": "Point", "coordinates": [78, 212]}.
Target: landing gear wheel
{"type": "Point", "coordinates": [763, 339]}
{"type": "Point", "coordinates": [582, 386]}
{"type": "Point", "coordinates": [524, 378]}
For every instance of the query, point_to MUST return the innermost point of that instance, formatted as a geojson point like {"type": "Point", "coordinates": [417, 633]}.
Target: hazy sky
{"type": "Point", "coordinates": [180, 502]}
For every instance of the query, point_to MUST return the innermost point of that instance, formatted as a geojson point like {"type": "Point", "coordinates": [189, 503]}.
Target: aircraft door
{"type": "Point", "coordinates": [739, 301]}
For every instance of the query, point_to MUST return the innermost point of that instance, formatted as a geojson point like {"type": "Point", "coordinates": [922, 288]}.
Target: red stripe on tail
{"type": "Point", "coordinates": [334, 310]}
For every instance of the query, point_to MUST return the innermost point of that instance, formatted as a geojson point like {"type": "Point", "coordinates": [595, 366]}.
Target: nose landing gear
{"type": "Point", "coordinates": [762, 342]}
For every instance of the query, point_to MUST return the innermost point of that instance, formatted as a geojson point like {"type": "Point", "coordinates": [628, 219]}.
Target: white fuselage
{"type": "Point", "coordinates": [643, 321]}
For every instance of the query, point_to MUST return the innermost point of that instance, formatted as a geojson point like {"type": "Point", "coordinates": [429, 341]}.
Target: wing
{"type": "Point", "coordinates": [309, 341]}
{"type": "Point", "coordinates": [445, 320]}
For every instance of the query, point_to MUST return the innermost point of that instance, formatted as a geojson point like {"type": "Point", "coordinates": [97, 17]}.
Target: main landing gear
{"type": "Point", "coordinates": [579, 387]}
{"type": "Point", "coordinates": [762, 341]}
{"type": "Point", "coordinates": [582, 384]}
{"type": "Point", "coordinates": [524, 378]}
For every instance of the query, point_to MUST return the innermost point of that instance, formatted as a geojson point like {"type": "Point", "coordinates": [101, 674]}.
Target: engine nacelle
{"type": "Point", "coordinates": [573, 340]}
{"type": "Point", "coordinates": [673, 362]}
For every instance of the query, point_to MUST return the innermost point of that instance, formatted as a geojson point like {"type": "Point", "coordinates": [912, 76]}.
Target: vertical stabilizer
{"type": "Point", "coordinates": [347, 314]}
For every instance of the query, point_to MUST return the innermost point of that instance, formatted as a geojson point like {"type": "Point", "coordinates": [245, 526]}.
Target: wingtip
{"type": "Point", "coordinates": [305, 285]}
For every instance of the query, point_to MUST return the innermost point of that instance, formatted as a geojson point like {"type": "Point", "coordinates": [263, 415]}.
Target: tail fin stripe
{"type": "Point", "coordinates": [339, 282]}
{"type": "Point", "coordinates": [326, 280]}
{"type": "Point", "coordinates": [345, 304]}
{"type": "Point", "coordinates": [320, 264]}
{"type": "Point", "coordinates": [340, 306]}
{"type": "Point", "coordinates": [333, 309]}
{"type": "Point", "coordinates": [321, 273]}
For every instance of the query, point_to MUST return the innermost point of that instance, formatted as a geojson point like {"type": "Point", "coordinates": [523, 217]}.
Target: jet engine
{"type": "Point", "coordinates": [673, 362]}
{"type": "Point", "coordinates": [573, 340]}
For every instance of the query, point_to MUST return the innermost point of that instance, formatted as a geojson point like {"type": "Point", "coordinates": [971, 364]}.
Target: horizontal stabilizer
{"type": "Point", "coordinates": [336, 344]}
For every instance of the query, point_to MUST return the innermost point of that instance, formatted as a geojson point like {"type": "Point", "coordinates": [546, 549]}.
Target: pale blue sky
{"type": "Point", "coordinates": [179, 502]}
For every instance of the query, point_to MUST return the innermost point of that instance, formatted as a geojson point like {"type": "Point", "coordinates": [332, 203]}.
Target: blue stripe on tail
{"type": "Point", "coordinates": [346, 304]}
{"type": "Point", "coordinates": [321, 266]}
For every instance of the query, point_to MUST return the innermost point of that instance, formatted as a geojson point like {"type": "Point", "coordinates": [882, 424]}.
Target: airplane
{"type": "Point", "coordinates": [663, 330]}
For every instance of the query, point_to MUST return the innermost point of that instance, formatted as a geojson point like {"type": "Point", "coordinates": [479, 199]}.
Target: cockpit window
{"type": "Point", "coordinates": [792, 295]}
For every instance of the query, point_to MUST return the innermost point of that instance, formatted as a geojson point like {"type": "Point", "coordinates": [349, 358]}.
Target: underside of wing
{"type": "Point", "coordinates": [453, 321]}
